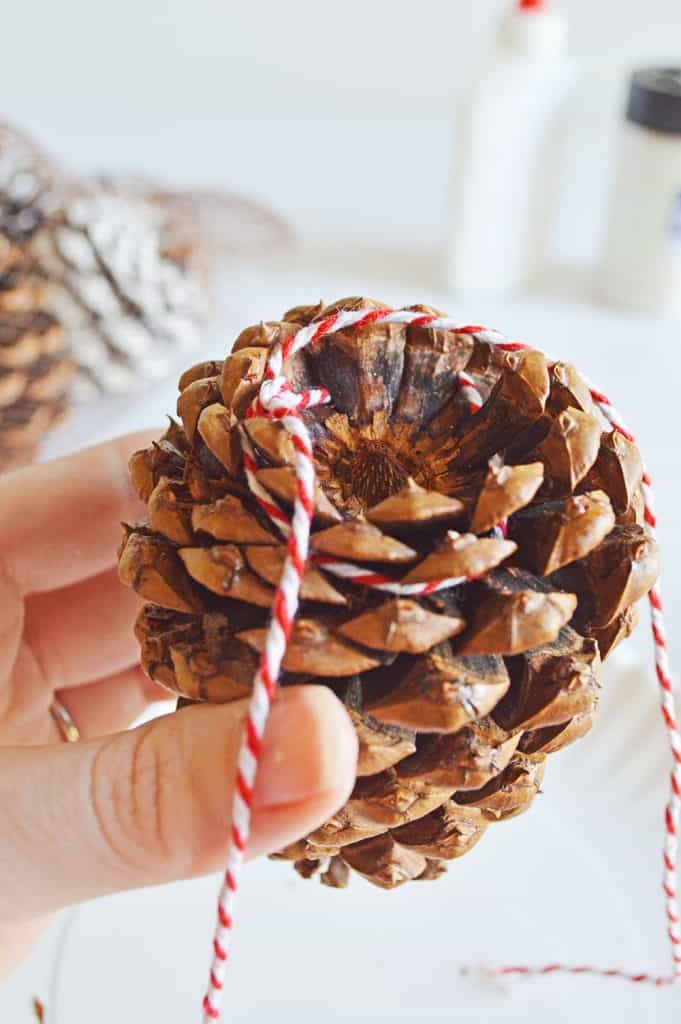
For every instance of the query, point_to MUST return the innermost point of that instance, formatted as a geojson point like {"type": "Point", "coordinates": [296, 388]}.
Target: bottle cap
{"type": "Point", "coordinates": [655, 99]}
{"type": "Point", "coordinates": [532, 31]}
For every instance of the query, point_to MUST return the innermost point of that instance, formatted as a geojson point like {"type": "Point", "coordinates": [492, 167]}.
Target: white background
{"type": "Point", "coordinates": [341, 116]}
{"type": "Point", "coordinates": [361, 56]}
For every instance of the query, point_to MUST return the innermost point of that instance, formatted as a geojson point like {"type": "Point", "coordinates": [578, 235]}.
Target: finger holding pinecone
{"type": "Point", "coordinates": [511, 539]}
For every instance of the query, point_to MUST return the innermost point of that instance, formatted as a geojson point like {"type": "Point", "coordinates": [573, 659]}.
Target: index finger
{"type": "Point", "coordinates": [60, 521]}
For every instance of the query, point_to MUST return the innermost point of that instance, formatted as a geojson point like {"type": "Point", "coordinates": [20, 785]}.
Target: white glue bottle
{"type": "Point", "coordinates": [507, 154]}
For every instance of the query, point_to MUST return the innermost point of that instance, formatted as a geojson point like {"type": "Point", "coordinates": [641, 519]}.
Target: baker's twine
{"type": "Point", "coordinates": [277, 400]}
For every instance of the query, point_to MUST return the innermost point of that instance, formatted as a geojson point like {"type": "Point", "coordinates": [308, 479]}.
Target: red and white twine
{"type": "Point", "coordinates": [277, 400]}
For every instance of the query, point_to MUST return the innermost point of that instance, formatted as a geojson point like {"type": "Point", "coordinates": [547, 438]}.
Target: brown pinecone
{"type": "Point", "coordinates": [35, 368]}
{"type": "Point", "coordinates": [457, 697]}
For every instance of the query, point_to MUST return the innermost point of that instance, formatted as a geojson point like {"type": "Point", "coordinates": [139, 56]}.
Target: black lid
{"type": "Point", "coordinates": [655, 99]}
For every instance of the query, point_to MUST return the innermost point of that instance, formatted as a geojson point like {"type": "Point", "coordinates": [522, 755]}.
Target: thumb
{"type": "Point", "coordinates": [153, 804]}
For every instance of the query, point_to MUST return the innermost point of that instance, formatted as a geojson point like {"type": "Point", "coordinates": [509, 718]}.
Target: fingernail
{"type": "Point", "coordinates": [310, 747]}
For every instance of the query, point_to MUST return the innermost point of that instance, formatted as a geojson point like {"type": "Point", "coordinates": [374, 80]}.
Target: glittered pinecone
{"type": "Point", "coordinates": [127, 281]}
{"type": "Point", "coordinates": [459, 695]}
{"type": "Point", "coordinates": [35, 368]}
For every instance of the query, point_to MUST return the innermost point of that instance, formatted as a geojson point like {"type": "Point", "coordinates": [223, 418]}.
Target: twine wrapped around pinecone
{"type": "Point", "coordinates": [528, 509]}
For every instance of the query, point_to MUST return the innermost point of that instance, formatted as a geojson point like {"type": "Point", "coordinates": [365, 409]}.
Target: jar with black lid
{"type": "Point", "coordinates": [642, 256]}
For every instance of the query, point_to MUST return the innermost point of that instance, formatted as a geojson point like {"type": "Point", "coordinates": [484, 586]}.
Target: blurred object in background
{"type": "Point", "coordinates": [128, 283]}
{"type": "Point", "coordinates": [35, 366]}
{"type": "Point", "coordinates": [29, 183]}
{"type": "Point", "coordinates": [507, 165]}
{"type": "Point", "coordinates": [112, 274]}
{"type": "Point", "coordinates": [642, 258]}
{"type": "Point", "coordinates": [233, 226]}
{"type": "Point", "coordinates": [210, 95]}
{"type": "Point", "coordinates": [131, 263]}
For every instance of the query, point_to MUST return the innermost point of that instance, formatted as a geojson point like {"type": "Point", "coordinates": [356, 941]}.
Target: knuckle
{"type": "Point", "coordinates": [136, 796]}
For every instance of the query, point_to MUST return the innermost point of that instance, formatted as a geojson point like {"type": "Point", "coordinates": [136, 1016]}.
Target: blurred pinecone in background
{"type": "Point", "coordinates": [216, 220]}
{"type": "Point", "coordinates": [35, 365]}
{"type": "Point", "coordinates": [115, 271]}
{"type": "Point", "coordinates": [457, 696]}
{"type": "Point", "coordinates": [128, 282]}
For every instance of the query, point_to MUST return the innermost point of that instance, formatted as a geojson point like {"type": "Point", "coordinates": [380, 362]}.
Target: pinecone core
{"type": "Point", "coordinates": [370, 473]}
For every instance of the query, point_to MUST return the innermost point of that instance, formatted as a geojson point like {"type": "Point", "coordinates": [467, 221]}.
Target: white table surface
{"type": "Point", "coordinates": [577, 878]}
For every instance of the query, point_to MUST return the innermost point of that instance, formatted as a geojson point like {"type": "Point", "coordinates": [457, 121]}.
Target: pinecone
{"type": "Point", "coordinates": [457, 696]}
{"type": "Point", "coordinates": [35, 368]}
{"type": "Point", "coordinates": [127, 282]}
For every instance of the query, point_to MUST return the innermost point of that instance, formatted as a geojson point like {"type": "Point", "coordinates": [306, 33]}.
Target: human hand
{"type": "Point", "coordinates": [120, 809]}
